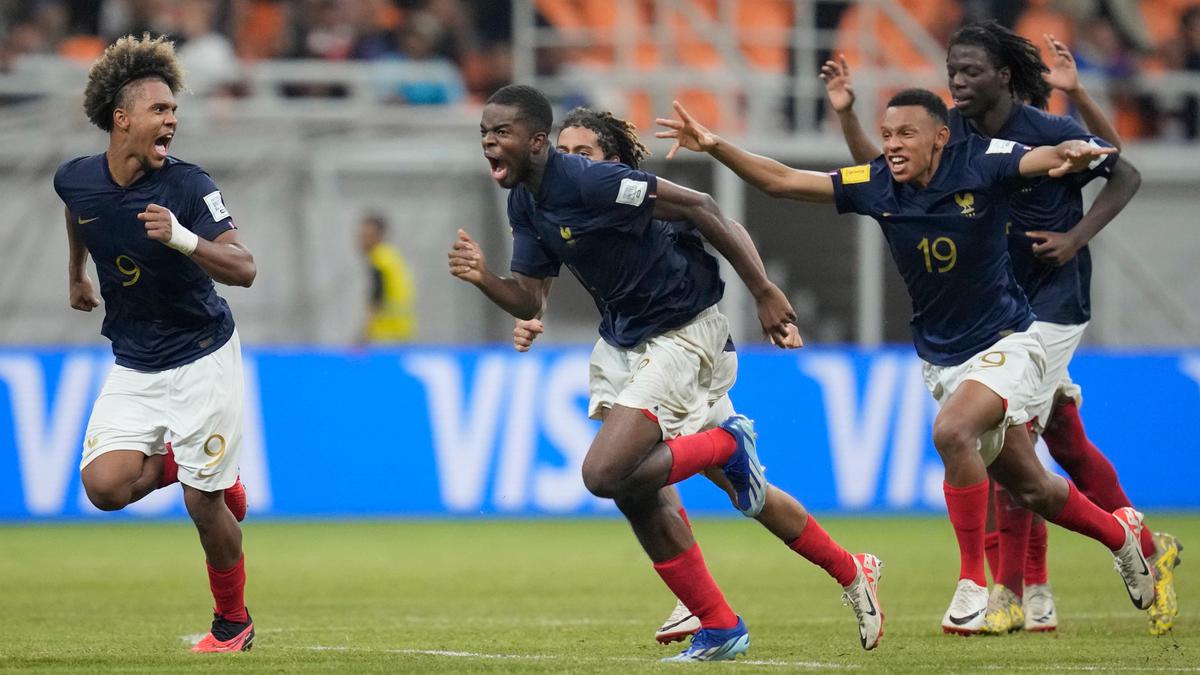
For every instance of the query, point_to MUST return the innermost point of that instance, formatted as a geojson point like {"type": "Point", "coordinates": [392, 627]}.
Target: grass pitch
{"type": "Point", "coordinates": [539, 596]}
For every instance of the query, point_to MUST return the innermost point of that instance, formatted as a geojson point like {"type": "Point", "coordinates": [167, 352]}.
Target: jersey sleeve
{"type": "Point", "coordinates": [997, 160]}
{"type": "Point", "coordinates": [529, 256]}
{"type": "Point", "coordinates": [616, 196]}
{"type": "Point", "coordinates": [204, 211]}
{"type": "Point", "coordinates": [856, 188]}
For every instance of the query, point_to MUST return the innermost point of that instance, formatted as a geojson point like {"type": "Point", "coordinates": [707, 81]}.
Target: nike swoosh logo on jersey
{"type": "Point", "coordinates": [82, 221]}
{"type": "Point", "coordinates": [961, 620]}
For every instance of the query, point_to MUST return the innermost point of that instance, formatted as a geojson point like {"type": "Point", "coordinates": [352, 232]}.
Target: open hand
{"type": "Point", "coordinates": [1078, 156]}
{"type": "Point", "coordinates": [1056, 248]}
{"type": "Point", "coordinates": [1063, 74]}
{"type": "Point", "coordinates": [836, 76]}
{"type": "Point", "coordinates": [686, 131]}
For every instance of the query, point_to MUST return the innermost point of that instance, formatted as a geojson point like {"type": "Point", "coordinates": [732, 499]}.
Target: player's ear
{"type": "Point", "coordinates": [539, 142]}
{"type": "Point", "coordinates": [120, 119]}
{"type": "Point", "coordinates": [942, 138]}
{"type": "Point", "coordinates": [1005, 75]}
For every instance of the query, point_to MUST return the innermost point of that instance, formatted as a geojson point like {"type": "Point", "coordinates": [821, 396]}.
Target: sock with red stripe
{"type": "Point", "coordinates": [688, 578]}
{"type": "Point", "coordinates": [1080, 515]}
{"type": "Point", "coordinates": [170, 472]}
{"type": "Point", "coordinates": [228, 590]}
{"type": "Point", "coordinates": [817, 547]}
{"type": "Point", "coordinates": [1035, 556]}
{"type": "Point", "coordinates": [1013, 524]}
{"type": "Point", "coordinates": [694, 453]}
{"type": "Point", "coordinates": [967, 507]}
{"type": "Point", "coordinates": [1086, 465]}
{"type": "Point", "coordinates": [991, 549]}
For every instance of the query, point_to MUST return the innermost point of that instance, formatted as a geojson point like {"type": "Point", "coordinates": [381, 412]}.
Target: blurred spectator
{"type": "Point", "coordinates": [390, 316]}
{"type": "Point", "coordinates": [1099, 49]}
{"type": "Point", "coordinates": [206, 55]}
{"type": "Point", "coordinates": [1183, 53]}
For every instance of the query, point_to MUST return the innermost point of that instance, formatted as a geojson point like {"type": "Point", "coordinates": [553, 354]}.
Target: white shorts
{"type": "Point", "coordinates": [1061, 341]}
{"type": "Point", "coordinates": [199, 403]}
{"type": "Point", "coordinates": [1013, 368]}
{"type": "Point", "coordinates": [681, 376]}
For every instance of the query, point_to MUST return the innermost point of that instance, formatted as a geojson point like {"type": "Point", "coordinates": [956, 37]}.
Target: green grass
{"type": "Point", "coordinates": [536, 596]}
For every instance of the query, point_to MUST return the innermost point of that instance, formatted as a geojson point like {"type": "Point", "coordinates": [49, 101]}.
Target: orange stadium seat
{"type": "Point", "coordinates": [1037, 20]}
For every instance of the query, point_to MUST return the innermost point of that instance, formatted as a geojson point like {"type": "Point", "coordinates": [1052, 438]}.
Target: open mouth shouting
{"type": "Point", "coordinates": [500, 168]}
{"type": "Point", "coordinates": [162, 143]}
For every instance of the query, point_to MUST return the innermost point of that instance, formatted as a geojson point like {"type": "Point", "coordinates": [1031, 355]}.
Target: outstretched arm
{"type": "Point", "coordinates": [836, 76]}
{"type": "Point", "coordinates": [81, 292]}
{"type": "Point", "coordinates": [772, 177]}
{"type": "Point", "coordinates": [225, 258]}
{"type": "Point", "coordinates": [676, 202]}
{"type": "Point", "coordinates": [1064, 76]}
{"type": "Point", "coordinates": [519, 295]}
{"type": "Point", "coordinates": [1057, 248]}
{"type": "Point", "coordinates": [1059, 160]}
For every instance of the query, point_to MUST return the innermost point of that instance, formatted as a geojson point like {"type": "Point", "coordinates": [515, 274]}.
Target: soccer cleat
{"type": "Point", "coordinates": [716, 644]}
{"type": "Point", "coordinates": [863, 597]}
{"type": "Point", "coordinates": [968, 609]}
{"type": "Point", "coordinates": [1166, 606]}
{"type": "Point", "coordinates": [1004, 614]}
{"type": "Point", "coordinates": [679, 625]}
{"type": "Point", "coordinates": [1130, 562]}
{"type": "Point", "coordinates": [743, 469]}
{"type": "Point", "coordinates": [1040, 613]}
{"type": "Point", "coordinates": [235, 499]}
{"type": "Point", "coordinates": [227, 636]}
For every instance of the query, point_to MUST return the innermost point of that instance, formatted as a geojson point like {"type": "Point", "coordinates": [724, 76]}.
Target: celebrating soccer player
{"type": "Point", "coordinates": [942, 209]}
{"type": "Point", "coordinates": [601, 136]}
{"type": "Point", "coordinates": [159, 233]}
{"type": "Point", "coordinates": [1000, 87]}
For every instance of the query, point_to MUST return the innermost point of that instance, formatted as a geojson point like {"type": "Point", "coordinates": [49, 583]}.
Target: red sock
{"type": "Point", "coordinates": [683, 514]}
{"type": "Point", "coordinates": [967, 507]}
{"type": "Point", "coordinates": [1086, 465]}
{"type": "Point", "coordinates": [815, 544]}
{"type": "Point", "coordinates": [1013, 524]}
{"type": "Point", "coordinates": [688, 578]}
{"type": "Point", "coordinates": [694, 453]}
{"type": "Point", "coordinates": [228, 587]}
{"type": "Point", "coordinates": [170, 472]}
{"type": "Point", "coordinates": [1035, 556]}
{"type": "Point", "coordinates": [1080, 515]}
{"type": "Point", "coordinates": [991, 549]}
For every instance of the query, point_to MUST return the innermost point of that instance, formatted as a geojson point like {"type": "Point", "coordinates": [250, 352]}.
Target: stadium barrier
{"type": "Point", "coordinates": [488, 432]}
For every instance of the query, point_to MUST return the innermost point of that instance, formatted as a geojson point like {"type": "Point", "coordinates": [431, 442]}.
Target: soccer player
{"type": "Point", "coordinates": [942, 208]}
{"type": "Point", "coordinates": [663, 336]}
{"type": "Point", "coordinates": [601, 136]}
{"type": "Point", "coordinates": [159, 233]}
{"type": "Point", "coordinates": [1001, 87]}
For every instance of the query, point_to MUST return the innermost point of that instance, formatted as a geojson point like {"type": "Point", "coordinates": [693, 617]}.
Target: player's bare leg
{"type": "Point", "coordinates": [971, 411]}
{"type": "Point", "coordinates": [119, 478]}
{"type": "Point", "coordinates": [221, 538]}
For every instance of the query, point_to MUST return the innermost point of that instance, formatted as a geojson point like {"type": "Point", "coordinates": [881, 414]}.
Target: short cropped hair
{"type": "Point", "coordinates": [128, 60]}
{"type": "Point", "coordinates": [931, 102]}
{"type": "Point", "coordinates": [616, 136]}
{"type": "Point", "coordinates": [532, 104]}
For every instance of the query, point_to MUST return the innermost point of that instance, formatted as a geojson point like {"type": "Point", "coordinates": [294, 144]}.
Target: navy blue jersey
{"type": "Point", "coordinates": [1058, 294]}
{"type": "Point", "coordinates": [160, 308]}
{"type": "Point", "coordinates": [949, 244]}
{"type": "Point", "coordinates": [646, 276]}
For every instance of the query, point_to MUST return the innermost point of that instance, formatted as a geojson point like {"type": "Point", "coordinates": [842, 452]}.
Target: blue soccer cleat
{"type": "Point", "coordinates": [743, 469]}
{"type": "Point", "coordinates": [716, 644]}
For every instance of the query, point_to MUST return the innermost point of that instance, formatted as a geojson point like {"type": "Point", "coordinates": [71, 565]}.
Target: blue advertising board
{"type": "Point", "coordinates": [486, 431]}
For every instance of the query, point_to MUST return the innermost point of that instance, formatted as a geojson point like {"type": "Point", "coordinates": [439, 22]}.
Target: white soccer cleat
{"type": "Point", "coordinates": [1040, 613]}
{"type": "Point", "coordinates": [863, 597]}
{"type": "Point", "coordinates": [968, 609]}
{"type": "Point", "coordinates": [678, 626]}
{"type": "Point", "coordinates": [1130, 562]}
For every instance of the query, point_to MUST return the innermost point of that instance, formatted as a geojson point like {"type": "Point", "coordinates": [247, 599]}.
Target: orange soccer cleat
{"type": "Point", "coordinates": [227, 636]}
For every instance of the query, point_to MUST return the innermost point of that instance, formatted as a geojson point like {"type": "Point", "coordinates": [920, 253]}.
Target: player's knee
{"type": "Point", "coordinates": [1033, 495]}
{"type": "Point", "coordinates": [602, 481]}
{"type": "Point", "coordinates": [952, 439]}
{"type": "Point", "coordinates": [107, 496]}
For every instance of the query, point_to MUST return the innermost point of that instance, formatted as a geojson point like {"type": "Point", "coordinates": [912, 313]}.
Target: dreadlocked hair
{"type": "Point", "coordinates": [1009, 50]}
{"type": "Point", "coordinates": [125, 61]}
{"type": "Point", "coordinates": [616, 136]}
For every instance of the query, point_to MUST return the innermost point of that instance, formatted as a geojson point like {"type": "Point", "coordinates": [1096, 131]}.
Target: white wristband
{"type": "Point", "coordinates": [182, 239]}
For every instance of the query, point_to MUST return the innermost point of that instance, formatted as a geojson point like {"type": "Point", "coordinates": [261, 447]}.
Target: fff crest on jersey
{"type": "Point", "coordinates": [965, 201]}
{"type": "Point", "coordinates": [566, 234]}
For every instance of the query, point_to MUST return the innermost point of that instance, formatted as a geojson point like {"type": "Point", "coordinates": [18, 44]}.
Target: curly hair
{"type": "Point", "coordinates": [1009, 50]}
{"type": "Point", "coordinates": [125, 61]}
{"type": "Point", "coordinates": [615, 135]}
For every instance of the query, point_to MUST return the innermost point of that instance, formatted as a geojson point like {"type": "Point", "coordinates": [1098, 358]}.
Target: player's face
{"type": "Point", "coordinates": [150, 114]}
{"type": "Point", "coordinates": [508, 144]}
{"type": "Point", "coordinates": [911, 138]}
{"type": "Point", "coordinates": [976, 84]}
{"type": "Point", "coordinates": [582, 142]}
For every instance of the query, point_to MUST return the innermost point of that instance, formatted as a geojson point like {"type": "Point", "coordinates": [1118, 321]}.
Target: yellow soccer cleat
{"type": "Point", "coordinates": [1166, 607]}
{"type": "Point", "coordinates": [1004, 612]}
